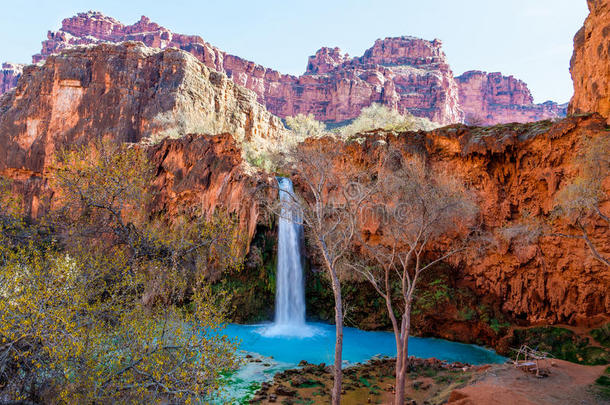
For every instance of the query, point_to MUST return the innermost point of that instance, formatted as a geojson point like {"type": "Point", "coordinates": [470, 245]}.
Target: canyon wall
{"type": "Point", "coordinates": [134, 93]}
{"type": "Point", "coordinates": [491, 98]}
{"type": "Point", "coordinates": [9, 75]}
{"type": "Point", "coordinates": [514, 172]}
{"type": "Point", "coordinates": [127, 92]}
{"type": "Point", "coordinates": [404, 73]}
{"type": "Point", "coordinates": [206, 172]}
{"type": "Point", "coordinates": [590, 64]}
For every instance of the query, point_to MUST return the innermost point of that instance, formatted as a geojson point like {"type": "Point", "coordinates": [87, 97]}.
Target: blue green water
{"type": "Point", "coordinates": [358, 346]}
{"type": "Point", "coordinates": [274, 349]}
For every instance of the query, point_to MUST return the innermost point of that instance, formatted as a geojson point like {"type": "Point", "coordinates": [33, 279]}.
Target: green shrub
{"type": "Point", "coordinates": [562, 343]}
{"type": "Point", "coordinates": [602, 384]}
{"type": "Point", "coordinates": [305, 126]}
{"type": "Point", "coordinates": [602, 335]}
{"type": "Point", "coordinates": [378, 116]}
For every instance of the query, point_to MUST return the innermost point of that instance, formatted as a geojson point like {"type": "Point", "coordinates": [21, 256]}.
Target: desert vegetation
{"type": "Point", "coordinates": [102, 304]}
{"type": "Point", "coordinates": [271, 154]}
{"type": "Point", "coordinates": [580, 201]}
{"type": "Point", "coordinates": [379, 116]}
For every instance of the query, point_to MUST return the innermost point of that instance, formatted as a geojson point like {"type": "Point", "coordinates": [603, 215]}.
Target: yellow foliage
{"type": "Point", "coordinates": [105, 305]}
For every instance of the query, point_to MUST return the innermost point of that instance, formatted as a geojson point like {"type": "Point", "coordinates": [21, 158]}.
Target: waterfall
{"type": "Point", "coordinates": [289, 286]}
{"type": "Point", "coordinates": [290, 289]}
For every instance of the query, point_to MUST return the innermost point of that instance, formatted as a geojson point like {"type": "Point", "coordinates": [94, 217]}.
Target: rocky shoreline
{"type": "Point", "coordinates": [430, 382]}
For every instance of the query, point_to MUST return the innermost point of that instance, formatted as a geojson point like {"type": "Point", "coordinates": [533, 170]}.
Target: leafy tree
{"type": "Point", "coordinates": [378, 116]}
{"type": "Point", "coordinates": [64, 339]}
{"type": "Point", "coordinates": [112, 307]}
{"type": "Point", "coordinates": [102, 190]}
{"type": "Point", "coordinates": [305, 126]}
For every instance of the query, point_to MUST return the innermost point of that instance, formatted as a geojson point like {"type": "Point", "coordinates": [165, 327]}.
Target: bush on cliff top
{"type": "Point", "coordinates": [270, 154]}
{"type": "Point", "coordinates": [305, 126]}
{"type": "Point", "coordinates": [378, 116]}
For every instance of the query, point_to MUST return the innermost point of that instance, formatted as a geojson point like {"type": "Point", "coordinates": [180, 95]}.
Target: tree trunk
{"type": "Point", "coordinates": [402, 358]}
{"type": "Point", "coordinates": [336, 393]}
{"type": "Point", "coordinates": [399, 384]}
{"type": "Point", "coordinates": [399, 389]}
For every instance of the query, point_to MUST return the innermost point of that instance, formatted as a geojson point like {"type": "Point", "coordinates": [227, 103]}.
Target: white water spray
{"type": "Point", "coordinates": [290, 290]}
{"type": "Point", "coordinates": [290, 287]}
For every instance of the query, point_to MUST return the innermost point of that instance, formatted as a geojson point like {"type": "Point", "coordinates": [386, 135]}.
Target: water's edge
{"type": "Point", "coordinates": [269, 355]}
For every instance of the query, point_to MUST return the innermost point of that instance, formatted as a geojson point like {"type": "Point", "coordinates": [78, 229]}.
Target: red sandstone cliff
{"type": "Point", "coordinates": [9, 74]}
{"type": "Point", "coordinates": [206, 172]}
{"type": "Point", "coordinates": [590, 64]}
{"type": "Point", "coordinates": [491, 98]}
{"type": "Point", "coordinates": [405, 73]}
{"type": "Point", "coordinates": [127, 92]}
{"type": "Point", "coordinates": [514, 172]}
{"type": "Point", "coordinates": [131, 92]}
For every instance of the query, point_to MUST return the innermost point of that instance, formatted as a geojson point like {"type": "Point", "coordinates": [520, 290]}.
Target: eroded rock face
{"type": "Point", "coordinates": [9, 74]}
{"type": "Point", "coordinates": [126, 92]}
{"type": "Point", "coordinates": [206, 172]}
{"type": "Point", "coordinates": [590, 64]}
{"type": "Point", "coordinates": [514, 172]}
{"type": "Point", "coordinates": [404, 73]}
{"type": "Point", "coordinates": [334, 88]}
{"type": "Point", "coordinates": [491, 98]}
{"type": "Point", "coordinates": [325, 60]}
{"type": "Point", "coordinates": [129, 92]}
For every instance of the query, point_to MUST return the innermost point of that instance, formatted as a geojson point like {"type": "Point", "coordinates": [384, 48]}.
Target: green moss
{"type": "Point", "coordinates": [498, 326]}
{"type": "Point", "coordinates": [602, 385]}
{"type": "Point", "coordinates": [366, 309]}
{"type": "Point", "coordinates": [602, 335]}
{"type": "Point", "coordinates": [252, 290]}
{"type": "Point", "coordinates": [435, 293]}
{"type": "Point", "coordinates": [430, 372]}
{"type": "Point", "coordinates": [466, 314]}
{"type": "Point", "coordinates": [307, 384]}
{"type": "Point", "coordinates": [364, 381]}
{"type": "Point", "coordinates": [562, 343]}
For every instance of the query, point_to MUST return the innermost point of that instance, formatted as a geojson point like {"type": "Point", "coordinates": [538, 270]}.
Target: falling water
{"type": "Point", "coordinates": [290, 289]}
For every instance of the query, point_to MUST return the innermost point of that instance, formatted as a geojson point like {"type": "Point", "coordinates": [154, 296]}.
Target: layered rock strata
{"type": "Point", "coordinates": [514, 172]}
{"type": "Point", "coordinates": [491, 98]}
{"type": "Point", "coordinates": [404, 73]}
{"type": "Point", "coordinates": [126, 92]}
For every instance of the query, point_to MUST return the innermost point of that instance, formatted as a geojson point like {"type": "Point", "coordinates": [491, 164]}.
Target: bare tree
{"type": "Point", "coordinates": [420, 215]}
{"type": "Point", "coordinates": [580, 201]}
{"type": "Point", "coordinates": [322, 200]}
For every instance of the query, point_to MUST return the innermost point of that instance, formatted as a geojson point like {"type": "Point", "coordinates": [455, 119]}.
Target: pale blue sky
{"type": "Point", "coordinates": [530, 39]}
